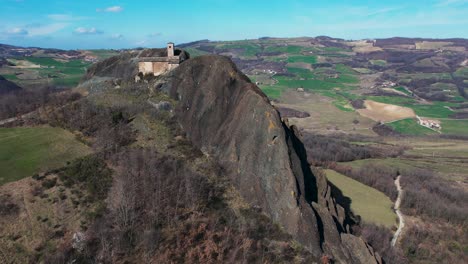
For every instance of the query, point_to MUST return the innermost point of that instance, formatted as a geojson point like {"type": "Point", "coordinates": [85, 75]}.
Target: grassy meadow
{"type": "Point", "coordinates": [28, 150]}
{"type": "Point", "coordinates": [372, 205]}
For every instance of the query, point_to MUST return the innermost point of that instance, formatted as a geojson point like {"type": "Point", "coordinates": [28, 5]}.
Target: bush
{"type": "Point", "coordinates": [90, 171]}
{"type": "Point", "coordinates": [49, 183]}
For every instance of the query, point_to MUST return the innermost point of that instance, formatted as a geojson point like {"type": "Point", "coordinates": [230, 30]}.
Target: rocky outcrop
{"type": "Point", "coordinates": [231, 120]}
{"type": "Point", "coordinates": [125, 65]}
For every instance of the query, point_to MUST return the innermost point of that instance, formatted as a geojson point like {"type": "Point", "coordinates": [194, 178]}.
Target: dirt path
{"type": "Point", "coordinates": [398, 212]}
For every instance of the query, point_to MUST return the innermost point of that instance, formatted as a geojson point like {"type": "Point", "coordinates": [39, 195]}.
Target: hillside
{"type": "Point", "coordinates": [7, 86]}
{"type": "Point", "coordinates": [237, 153]}
{"type": "Point", "coordinates": [211, 99]}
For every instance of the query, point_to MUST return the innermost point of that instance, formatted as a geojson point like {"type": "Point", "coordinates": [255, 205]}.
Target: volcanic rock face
{"type": "Point", "coordinates": [231, 120]}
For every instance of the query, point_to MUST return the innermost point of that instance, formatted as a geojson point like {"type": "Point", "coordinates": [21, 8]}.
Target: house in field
{"type": "Point", "coordinates": [159, 65]}
{"type": "Point", "coordinates": [429, 123]}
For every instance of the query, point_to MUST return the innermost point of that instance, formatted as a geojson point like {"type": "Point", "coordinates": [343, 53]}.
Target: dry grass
{"type": "Point", "coordinates": [428, 45]}
{"type": "Point", "coordinates": [45, 219]}
{"type": "Point", "coordinates": [324, 116]}
{"type": "Point", "coordinates": [385, 112]}
{"type": "Point", "coordinates": [372, 205]}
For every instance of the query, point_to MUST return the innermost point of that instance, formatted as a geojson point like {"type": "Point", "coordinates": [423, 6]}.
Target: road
{"type": "Point", "coordinates": [398, 212]}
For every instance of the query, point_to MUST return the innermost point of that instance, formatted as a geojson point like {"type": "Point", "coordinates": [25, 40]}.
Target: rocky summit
{"type": "Point", "coordinates": [233, 123]}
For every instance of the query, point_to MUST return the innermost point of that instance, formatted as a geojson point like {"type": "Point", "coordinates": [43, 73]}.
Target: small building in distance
{"type": "Point", "coordinates": [432, 124]}
{"type": "Point", "coordinates": [159, 65]}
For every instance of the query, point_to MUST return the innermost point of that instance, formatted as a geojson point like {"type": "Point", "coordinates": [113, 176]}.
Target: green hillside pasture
{"type": "Point", "coordinates": [249, 50]}
{"type": "Point", "coordinates": [305, 59]}
{"type": "Point", "coordinates": [462, 73]}
{"type": "Point", "coordinates": [285, 49]}
{"type": "Point", "coordinates": [403, 90]}
{"type": "Point", "coordinates": [372, 205]}
{"type": "Point", "coordinates": [378, 62]}
{"type": "Point", "coordinates": [27, 150]}
{"type": "Point", "coordinates": [455, 127]}
{"type": "Point", "coordinates": [195, 52]}
{"type": "Point", "coordinates": [272, 91]}
{"type": "Point", "coordinates": [66, 73]}
{"type": "Point", "coordinates": [300, 72]}
{"type": "Point", "coordinates": [410, 127]}
{"type": "Point", "coordinates": [104, 53]}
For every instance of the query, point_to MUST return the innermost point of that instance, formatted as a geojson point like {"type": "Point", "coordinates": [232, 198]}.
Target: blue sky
{"type": "Point", "coordinates": [79, 24]}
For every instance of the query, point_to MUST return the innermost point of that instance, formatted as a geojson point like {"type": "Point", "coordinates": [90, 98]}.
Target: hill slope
{"type": "Point", "coordinates": [233, 122]}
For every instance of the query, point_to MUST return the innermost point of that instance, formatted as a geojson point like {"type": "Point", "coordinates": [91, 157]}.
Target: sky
{"type": "Point", "coordinates": [81, 24]}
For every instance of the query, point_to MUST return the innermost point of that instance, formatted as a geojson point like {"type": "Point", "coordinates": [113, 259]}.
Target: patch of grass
{"type": "Point", "coordinates": [284, 49]}
{"type": "Point", "coordinates": [372, 205]}
{"type": "Point", "coordinates": [410, 127]}
{"type": "Point", "coordinates": [10, 77]}
{"type": "Point", "coordinates": [104, 53]}
{"type": "Point", "coordinates": [249, 50]}
{"type": "Point", "coordinates": [455, 127]}
{"type": "Point", "coordinates": [26, 150]}
{"type": "Point", "coordinates": [300, 72]}
{"type": "Point", "coordinates": [378, 62]}
{"type": "Point", "coordinates": [273, 92]}
{"type": "Point", "coordinates": [462, 73]}
{"type": "Point", "coordinates": [403, 90]}
{"type": "Point", "coordinates": [305, 59]}
{"type": "Point", "coordinates": [195, 52]}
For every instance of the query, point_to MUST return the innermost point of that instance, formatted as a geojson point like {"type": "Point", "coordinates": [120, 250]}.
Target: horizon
{"type": "Point", "coordinates": [125, 25]}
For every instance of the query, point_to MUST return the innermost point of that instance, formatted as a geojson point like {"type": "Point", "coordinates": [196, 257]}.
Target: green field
{"type": "Point", "coordinates": [403, 90]}
{"type": "Point", "coordinates": [301, 58]}
{"type": "Point", "coordinates": [378, 62]}
{"type": "Point", "coordinates": [455, 127]}
{"type": "Point", "coordinates": [410, 127]}
{"type": "Point", "coordinates": [27, 150]}
{"type": "Point", "coordinates": [462, 73]}
{"type": "Point", "coordinates": [60, 73]}
{"type": "Point", "coordinates": [372, 205]}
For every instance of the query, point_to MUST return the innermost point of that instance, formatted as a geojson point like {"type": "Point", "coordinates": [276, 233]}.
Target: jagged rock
{"type": "Point", "coordinates": [231, 120]}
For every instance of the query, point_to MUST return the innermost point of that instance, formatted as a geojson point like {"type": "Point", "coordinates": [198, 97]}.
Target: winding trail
{"type": "Point", "coordinates": [398, 212]}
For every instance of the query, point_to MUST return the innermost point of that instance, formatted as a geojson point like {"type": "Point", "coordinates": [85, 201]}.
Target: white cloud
{"type": "Point", "coordinates": [35, 30]}
{"type": "Point", "coordinates": [64, 17]}
{"type": "Point", "coordinates": [17, 31]}
{"type": "Point", "coordinates": [117, 36]}
{"type": "Point", "coordinates": [42, 30]}
{"type": "Point", "coordinates": [111, 9]}
{"type": "Point", "coordinates": [87, 31]}
{"type": "Point", "coordinates": [154, 35]}
{"type": "Point", "coordinates": [451, 2]}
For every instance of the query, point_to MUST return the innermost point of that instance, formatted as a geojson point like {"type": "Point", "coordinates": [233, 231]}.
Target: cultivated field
{"type": "Point", "coordinates": [385, 112]}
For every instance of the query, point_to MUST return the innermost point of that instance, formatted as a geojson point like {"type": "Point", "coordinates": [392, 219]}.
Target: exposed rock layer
{"type": "Point", "coordinates": [230, 119]}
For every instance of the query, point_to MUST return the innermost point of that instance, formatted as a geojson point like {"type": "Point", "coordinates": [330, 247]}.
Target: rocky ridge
{"type": "Point", "coordinates": [230, 120]}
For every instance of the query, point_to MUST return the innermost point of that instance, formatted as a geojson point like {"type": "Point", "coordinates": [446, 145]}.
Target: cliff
{"type": "Point", "coordinates": [231, 120]}
{"type": "Point", "coordinates": [233, 123]}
